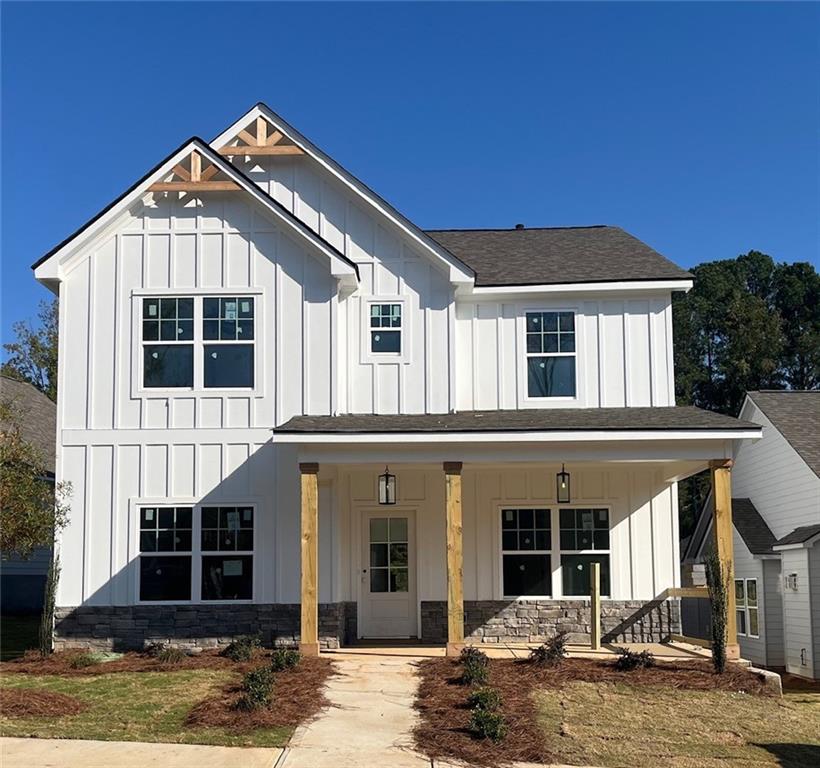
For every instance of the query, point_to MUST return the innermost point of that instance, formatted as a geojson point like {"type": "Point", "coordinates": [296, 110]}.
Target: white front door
{"type": "Point", "coordinates": [387, 602]}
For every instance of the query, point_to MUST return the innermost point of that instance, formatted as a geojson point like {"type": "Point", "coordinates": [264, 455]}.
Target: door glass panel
{"type": "Point", "coordinates": [398, 529]}
{"type": "Point", "coordinates": [378, 529]}
{"type": "Point", "coordinates": [378, 555]}
{"type": "Point", "coordinates": [378, 580]}
{"type": "Point", "coordinates": [399, 581]}
{"type": "Point", "coordinates": [398, 554]}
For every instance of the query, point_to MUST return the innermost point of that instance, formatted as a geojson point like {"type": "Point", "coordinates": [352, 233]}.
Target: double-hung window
{"type": "Point", "coordinates": [165, 553]}
{"type": "Point", "coordinates": [550, 354]}
{"type": "Point", "coordinates": [228, 331]}
{"type": "Point", "coordinates": [227, 553]}
{"type": "Point", "coordinates": [748, 619]}
{"type": "Point", "coordinates": [584, 538]}
{"type": "Point", "coordinates": [526, 563]}
{"type": "Point", "coordinates": [167, 342]}
{"type": "Point", "coordinates": [385, 328]}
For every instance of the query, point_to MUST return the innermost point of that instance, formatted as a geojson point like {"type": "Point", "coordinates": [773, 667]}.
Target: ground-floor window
{"type": "Point", "coordinates": [584, 539]}
{"type": "Point", "coordinates": [196, 553]}
{"type": "Point", "coordinates": [525, 552]}
{"type": "Point", "coordinates": [748, 619]}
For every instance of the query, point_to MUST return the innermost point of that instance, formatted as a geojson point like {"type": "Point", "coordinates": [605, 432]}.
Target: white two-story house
{"type": "Point", "coordinates": [284, 408]}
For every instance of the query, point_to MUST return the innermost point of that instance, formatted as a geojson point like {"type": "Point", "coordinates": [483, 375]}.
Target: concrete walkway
{"type": "Point", "coordinates": [73, 753]}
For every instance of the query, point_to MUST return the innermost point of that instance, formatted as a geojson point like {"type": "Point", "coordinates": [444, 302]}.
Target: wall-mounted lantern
{"type": "Point", "coordinates": [562, 486]}
{"type": "Point", "coordinates": [387, 487]}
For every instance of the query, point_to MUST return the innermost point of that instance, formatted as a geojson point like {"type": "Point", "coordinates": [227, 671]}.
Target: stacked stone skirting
{"type": "Point", "coordinates": [533, 621]}
{"type": "Point", "coordinates": [196, 626]}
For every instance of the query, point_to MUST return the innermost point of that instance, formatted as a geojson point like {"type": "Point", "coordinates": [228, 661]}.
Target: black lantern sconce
{"type": "Point", "coordinates": [562, 486]}
{"type": "Point", "coordinates": [387, 487]}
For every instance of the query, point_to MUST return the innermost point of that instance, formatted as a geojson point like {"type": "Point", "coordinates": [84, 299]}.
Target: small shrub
{"type": "Point", "coordinates": [171, 655]}
{"type": "Point", "coordinates": [488, 724]}
{"type": "Point", "coordinates": [284, 658]}
{"type": "Point", "coordinates": [257, 689]}
{"type": "Point", "coordinates": [628, 660]}
{"type": "Point", "coordinates": [475, 671]}
{"type": "Point", "coordinates": [551, 652]}
{"type": "Point", "coordinates": [473, 655]}
{"type": "Point", "coordinates": [242, 648]}
{"type": "Point", "coordinates": [488, 699]}
{"type": "Point", "coordinates": [83, 660]}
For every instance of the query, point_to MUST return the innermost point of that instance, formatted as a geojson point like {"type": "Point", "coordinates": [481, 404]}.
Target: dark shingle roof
{"type": "Point", "coordinates": [799, 535]}
{"type": "Point", "coordinates": [752, 527]}
{"type": "Point", "coordinates": [528, 420]}
{"type": "Point", "coordinates": [37, 415]}
{"type": "Point", "coordinates": [556, 255]}
{"type": "Point", "coordinates": [796, 415]}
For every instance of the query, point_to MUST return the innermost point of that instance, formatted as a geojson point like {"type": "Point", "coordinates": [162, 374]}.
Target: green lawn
{"type": "Point", "coordinates": [134, 706]}
{"type": "Point", "coordinates": [17, 635]}
{"type": "Point", "coordinates": [616, 725]}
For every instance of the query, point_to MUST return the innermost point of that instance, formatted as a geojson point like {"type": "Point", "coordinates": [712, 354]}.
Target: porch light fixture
{"type": "Point", "coordinates": [387, 487]}
{"type": "Point", "coordinates": [562, 486]}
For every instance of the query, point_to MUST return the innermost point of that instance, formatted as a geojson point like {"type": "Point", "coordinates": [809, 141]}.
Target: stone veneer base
{"type": "Point", "coordinates": [528, 621]}
{"type": "Point", "coordinates": [196, 626]}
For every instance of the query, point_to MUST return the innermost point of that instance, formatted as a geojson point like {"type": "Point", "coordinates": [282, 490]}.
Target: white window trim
{"type": "Point", "coordinates": [135, 505]}
{"type": "Point", "coordinates": [139, 391]}
{"type": "Point", "coordinates": [524, 399]}
{"type": "Point", "coordinates": [368, 357]}
{"type": "Point", "coordinates": [555, 552]}
{"type": "Point", "coordinates": [746, 608]}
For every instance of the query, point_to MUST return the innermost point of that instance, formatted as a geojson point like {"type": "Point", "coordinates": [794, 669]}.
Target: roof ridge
{"type": "Point", "coordinates": [522, 229]}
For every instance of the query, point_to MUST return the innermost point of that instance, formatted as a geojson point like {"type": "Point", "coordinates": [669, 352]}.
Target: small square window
{"type": "Point", "coordinates": [382, 317]}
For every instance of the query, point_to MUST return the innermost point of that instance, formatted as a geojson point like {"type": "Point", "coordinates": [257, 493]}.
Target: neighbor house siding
{"type": "Point", "coordinates": [797, 614]}
{"type": "Point", "coordinates": [814, 587]}
{"type": "Point", "coordinates": [773, 602]}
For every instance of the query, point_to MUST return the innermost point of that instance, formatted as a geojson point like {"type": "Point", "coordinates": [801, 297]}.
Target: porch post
{"type": "Point", "coordinates": [720, 470]}
{"type": "Point", "coordinates": [309, 628]}
{"type": "Point", "coordinates": [455, 558]}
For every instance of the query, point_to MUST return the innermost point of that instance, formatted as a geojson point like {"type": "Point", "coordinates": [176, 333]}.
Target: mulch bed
{"type": "Point", "coordinates": [61, 663]}
{"type": "Point", "coordinates": [298, 696]}
{"type": "Point", "coordinates": [17, 702]}
{"type": "Point", "coordinates": [443, 733]}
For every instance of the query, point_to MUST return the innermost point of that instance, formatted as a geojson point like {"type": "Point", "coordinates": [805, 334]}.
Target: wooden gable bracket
{"type": "Point", "coordinates": [194, 180]}
{"type": "Point", "coordinates": [263, 143]}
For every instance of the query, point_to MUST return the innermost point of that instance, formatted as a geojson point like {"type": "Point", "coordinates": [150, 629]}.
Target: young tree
{"type": "Point", "coordinates": [33, 356]}
{"type": "Point", "coordinates": [717, 582]}
{"type": "Point", "coordinates": [32, 508]}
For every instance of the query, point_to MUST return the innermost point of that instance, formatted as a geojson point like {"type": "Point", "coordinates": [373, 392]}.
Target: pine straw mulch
{"type": "Point", "coordinates": [60, 663]}
{"type": "Point", "coordinates": [298, 696]}
{"type": "Point", "coordinates": [17, 702]}
{"type": "Point", "coordinates": [443, 733]}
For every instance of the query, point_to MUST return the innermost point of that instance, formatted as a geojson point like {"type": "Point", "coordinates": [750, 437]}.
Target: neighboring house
{"type": "Point", "coordinates": [249, 336]}
{"type": "Point", "coordinates": [22, 582]}
{"type": "Point", "coordinates": [776, 533]}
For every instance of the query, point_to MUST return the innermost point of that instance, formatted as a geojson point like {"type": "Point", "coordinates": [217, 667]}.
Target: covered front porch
{"type": "Point", "coordinates": [480, 544]}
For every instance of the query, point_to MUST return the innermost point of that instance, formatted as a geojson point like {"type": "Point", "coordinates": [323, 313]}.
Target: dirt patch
{"type": "Point", "coordinates": [441, 701]}
{"type": "Point", "coordinates": [298, 696]}
{"type": "Point", "coordinates": [17, 702]}
{"type": "Point", "coordinates": [62, 663]}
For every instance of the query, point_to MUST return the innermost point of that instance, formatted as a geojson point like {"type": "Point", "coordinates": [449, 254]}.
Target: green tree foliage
{"type": "Point", "coordinates": [32, 508]}
{"type": "Point", "coordinates": [32, 357]}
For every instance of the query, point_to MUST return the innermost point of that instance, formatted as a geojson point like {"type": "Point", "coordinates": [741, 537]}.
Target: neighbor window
{"type": "Point", "coordinates": [526, 563]}
{"type": "Point", "coordinates": [550, 354]}
{"type": "Point", "coordinates": [748, 620]}
{"type": "Point", "coordinates": [227, 553]}
{"type": "Point", "coordinates": [228, 331]}
{"type": "Point", "coordinates": [165, 553]}
{"type": "Point", "coordinates": [385, 328]}
{"type": "Point", "coordinates": [167, 342]}
{"type": "Point", "coordinates": [584, 538]}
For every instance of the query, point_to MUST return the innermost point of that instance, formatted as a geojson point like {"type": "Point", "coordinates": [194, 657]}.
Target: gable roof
{"type": "Point", "coordinates": [39, 427]}
{"type": "Point", "coordinates": [796, 415]}
{"type": "Point", "coordinates": [340, 264]}
{"type": "Point", "coordinates": [459, 272]}
{"type": "Point", "coordinates": [799, 535]}
{"type": "Point", "coordinates": [543, 256]}
{"type": "Point", "coordinates": [748, 522]}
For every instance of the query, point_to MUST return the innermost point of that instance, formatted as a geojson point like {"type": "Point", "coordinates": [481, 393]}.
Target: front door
{"type": "Point", "coordinates": [387, 604]}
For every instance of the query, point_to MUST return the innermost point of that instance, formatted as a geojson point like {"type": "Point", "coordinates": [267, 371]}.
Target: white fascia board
{"type": "Point", "coordinates": [364, 438]}
{"type": "Point", "coordinates": [51, 269]}
{"type": "Point", "coordinates": [799, 545]}
{"type": "Point", "coordinates": [627, 286]}
{"type": "Point", "coordinates": [457, 272]}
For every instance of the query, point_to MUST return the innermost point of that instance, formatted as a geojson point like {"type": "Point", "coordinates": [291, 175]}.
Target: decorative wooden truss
{"type": "Point", "coordinates": [267, 141]}
{"type": "Point", "coordinates": [194, 178]}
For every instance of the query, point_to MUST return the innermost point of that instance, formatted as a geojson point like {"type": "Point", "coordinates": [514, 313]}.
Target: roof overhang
{"type": "Point", "coordinates": [50, 268]}
{"type": "Point", "coordinates": [458, 272]}
{"type": "Point", "coordinates": [810, 542]}
{"type": "Point", "coordinates": [626, 286]}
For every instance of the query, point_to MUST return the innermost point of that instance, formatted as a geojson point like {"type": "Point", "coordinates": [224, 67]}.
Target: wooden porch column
{"type": "Point", "coordinates": [720, 470]}
{"type": "Point", "coordinates": [455, 558]}
{"type": "Point", "coordinates": [309, 628]}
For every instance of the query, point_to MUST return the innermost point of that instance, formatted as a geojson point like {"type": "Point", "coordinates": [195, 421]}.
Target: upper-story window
{"type": "Point", "coordinates": [177, 355]}
{"type": "Point", "coordinates": [167, 342]}
{"type": "Point", "coordinates": [550, 354]}
{"type": "Point", "coordinates": [385, 328]}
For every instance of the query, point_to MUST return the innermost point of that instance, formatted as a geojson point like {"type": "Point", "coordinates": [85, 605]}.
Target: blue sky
{"type": "Point", "coordinates": [694, 126]}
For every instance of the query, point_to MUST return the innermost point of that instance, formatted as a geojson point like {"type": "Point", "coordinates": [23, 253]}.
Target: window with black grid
{"type": "Point", "coordinates": [526, 541]}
